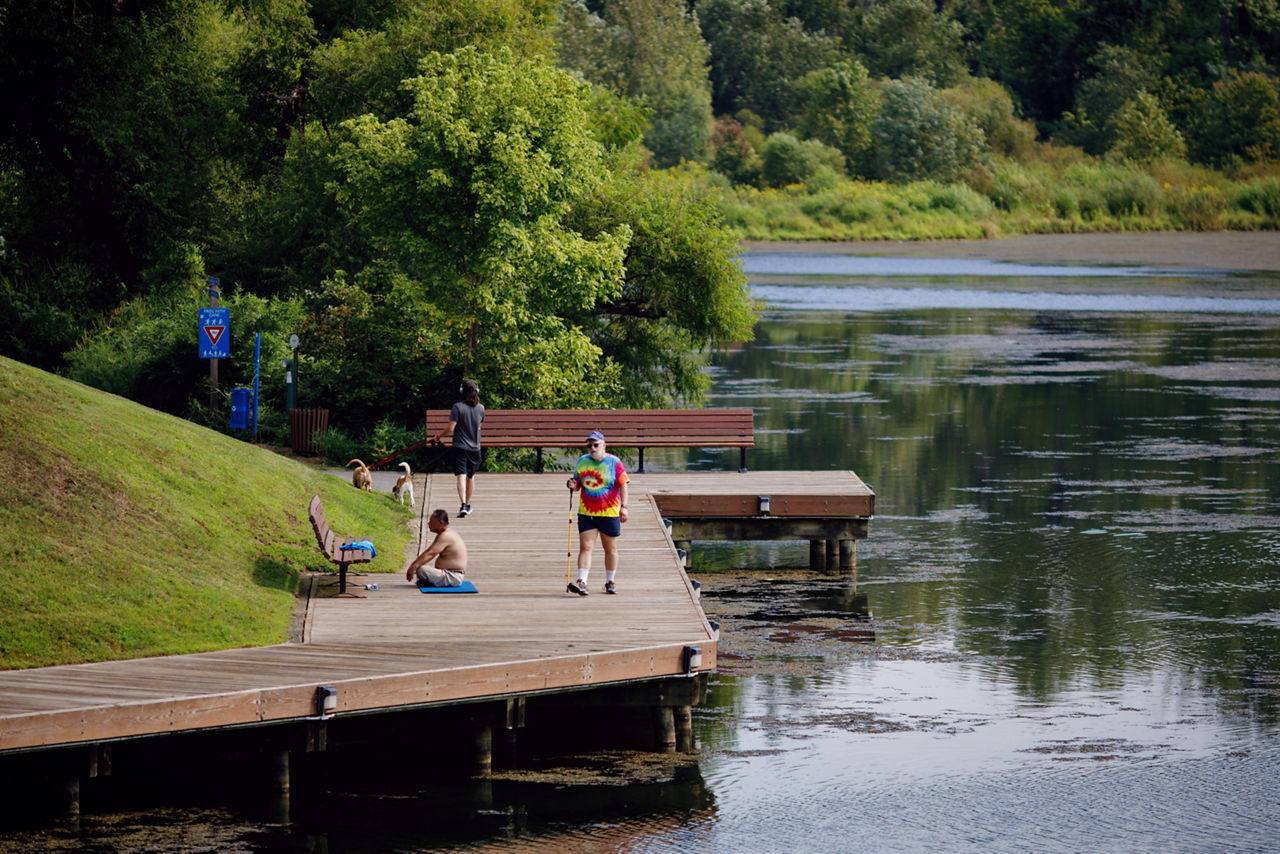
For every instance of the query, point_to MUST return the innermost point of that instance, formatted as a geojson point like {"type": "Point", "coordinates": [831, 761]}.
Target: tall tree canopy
{"type": "Point", "coordinates": [465, 196]}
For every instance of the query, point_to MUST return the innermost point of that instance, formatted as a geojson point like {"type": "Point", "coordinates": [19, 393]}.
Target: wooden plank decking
{"type": "Point", "coordinates": [398, 647]}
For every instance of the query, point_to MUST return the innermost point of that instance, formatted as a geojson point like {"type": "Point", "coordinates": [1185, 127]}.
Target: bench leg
{"type": "Point", "coordinates": [742, 460]}
{"type": "Point", "coordinates": [641, 469]}
{"type": "Point", "coordinates": [342, 583]}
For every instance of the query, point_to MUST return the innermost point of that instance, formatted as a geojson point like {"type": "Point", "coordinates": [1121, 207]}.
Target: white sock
{"type": "Point", "coordinates": [609, 574]}
{"type": "Point", "coordinates": [582, 579]}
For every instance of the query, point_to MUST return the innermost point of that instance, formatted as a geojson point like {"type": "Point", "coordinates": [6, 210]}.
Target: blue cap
{"type": "Point", "coordinates": [594, 435]}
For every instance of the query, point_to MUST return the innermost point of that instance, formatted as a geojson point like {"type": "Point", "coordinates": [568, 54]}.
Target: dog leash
{"type": "Point", "coordinates": [423, 443]}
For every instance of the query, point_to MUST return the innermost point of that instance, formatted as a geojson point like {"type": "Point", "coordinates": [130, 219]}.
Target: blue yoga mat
{"type": "Point", "coordinates": [464, 587]}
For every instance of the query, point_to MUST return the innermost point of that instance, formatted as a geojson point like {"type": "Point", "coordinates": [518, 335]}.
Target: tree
{"type": "Point", "coordinates": [837, 105]}
{"type": "Point", "coordinates": [756, 56]}
{"type": "Point", "coordinates": [682, 293]}
{"type": "Point", "coordinates": [1121, 74]}
{"type": "Point", "coordinates": [464, 197]}
{"type": "Point", "coordinates": [1237, 120]}
{"type": "Point", "coordinates": [910, 38]}
{"type": "Point", "coordinates": [652, 52]}
{"type": "Point", "coordinates": [1143, 133]}
{"type": "Point", "coordinates": [921, 137]}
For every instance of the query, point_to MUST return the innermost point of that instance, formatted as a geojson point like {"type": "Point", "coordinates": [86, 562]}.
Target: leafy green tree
{"type": "Point", "coordinates": [911, 38]}
{"type": "Point", "coordinates": [1034, 47]}
{"type": "Point", "coordinates": [837, 106]}
{"type": "Point", "coordinates": [756, 56]}
{"type": "Point", "coordinates": [1143, 133]}
{"type": "Point", "coordinates": [1237, 120]}
{"type": "Point", "coordinates": [986, 105]}
{"type": "Point", "coordinates": [683, 291]}
{"type": "Point", "coordinates": [120, 119]}
{"type": "Point", "coordinates": [465, 196]}
{"type": "Point", "coordinates": [921, 137]}
{"type": "Point", "coordinates": [1121, 74]}
{"type": "Point", "coordinates": [652, 52]}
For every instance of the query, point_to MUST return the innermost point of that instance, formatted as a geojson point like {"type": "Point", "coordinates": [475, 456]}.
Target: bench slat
{"type": "Point", "coordinates": [559, 428]}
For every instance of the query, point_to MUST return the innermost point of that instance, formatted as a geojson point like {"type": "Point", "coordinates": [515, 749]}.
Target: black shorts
{"type": "Point", "coordinates": [610, 526]}
{"type": "Point", "coordinates": [465, 461]}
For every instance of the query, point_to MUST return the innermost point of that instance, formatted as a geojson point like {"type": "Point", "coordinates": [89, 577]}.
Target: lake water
{"type": "Point", "coordinates": [1064, 629]}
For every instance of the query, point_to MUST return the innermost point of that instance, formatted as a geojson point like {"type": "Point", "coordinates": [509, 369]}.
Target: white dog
{"type": "Point", "coordinates": [404, 485]}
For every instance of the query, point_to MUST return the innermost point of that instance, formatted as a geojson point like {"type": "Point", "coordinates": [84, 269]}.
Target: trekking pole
{"type": "Point", "coordinates": [568, 549]}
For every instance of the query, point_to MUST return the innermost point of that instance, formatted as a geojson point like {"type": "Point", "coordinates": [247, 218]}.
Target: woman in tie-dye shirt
{"type": "Point", "coordinates": [601, 479]}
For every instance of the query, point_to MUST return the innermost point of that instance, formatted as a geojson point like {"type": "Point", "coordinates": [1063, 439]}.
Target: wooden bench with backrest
{"type": "Point", "coordinates": [622, 428]}
{"type": "Point", "coordinates": [331, 544]}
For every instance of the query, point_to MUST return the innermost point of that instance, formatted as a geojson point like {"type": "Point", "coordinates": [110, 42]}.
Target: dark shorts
{"type": "Point", "coordinates": [465, 461]}
{"type": "Point", "coordinates": [610, 526]}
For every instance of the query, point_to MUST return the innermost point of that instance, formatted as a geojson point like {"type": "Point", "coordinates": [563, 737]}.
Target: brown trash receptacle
{"type": "Point", "coordinates": [304, 425]}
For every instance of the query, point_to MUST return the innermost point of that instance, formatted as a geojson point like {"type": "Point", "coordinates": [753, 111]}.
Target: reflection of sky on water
{"type": "Point", "coordinates": [948, 759]}
{"type": "Point", "coordinates": [763, 263]}
{"type": "Point", "coordinates": [797, 282]}
{"type": "Point", "coordinates": [861, 298]}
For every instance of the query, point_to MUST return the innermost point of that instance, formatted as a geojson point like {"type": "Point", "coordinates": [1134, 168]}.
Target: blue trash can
{"type": "Point", "coordinates": [241, 408]}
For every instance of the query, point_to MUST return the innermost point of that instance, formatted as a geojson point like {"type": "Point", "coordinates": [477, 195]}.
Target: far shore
{"type": "Point", "coordinates": [1221, 250]}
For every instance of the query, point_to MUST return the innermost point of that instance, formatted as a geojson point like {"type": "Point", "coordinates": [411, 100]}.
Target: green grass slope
{"type": "Point", "coordinates": [128, 533]}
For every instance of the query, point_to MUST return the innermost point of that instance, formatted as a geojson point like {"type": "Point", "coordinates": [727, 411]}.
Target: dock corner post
{"type": "Point", "coordinates": [848, 555]}
{"type": "Point", "coordinates": [833, 555]}
{"type": "Point", "coordinates": [664, 729]}
{"type": "Point", "coordinates": [684, 729]}
{"type": "Point", "coordinates": [817, 556]}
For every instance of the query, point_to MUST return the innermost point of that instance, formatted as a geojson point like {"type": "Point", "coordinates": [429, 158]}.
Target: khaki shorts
{"type": "Point", "coordinates": [429, 576]}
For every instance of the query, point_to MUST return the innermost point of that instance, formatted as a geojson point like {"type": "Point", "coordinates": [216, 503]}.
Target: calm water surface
{"type": "Point", "coordinates": [1064, 631]}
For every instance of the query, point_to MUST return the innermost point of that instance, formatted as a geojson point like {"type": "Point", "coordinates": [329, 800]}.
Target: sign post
{"type": "Point", "coordinates": [214, 332]}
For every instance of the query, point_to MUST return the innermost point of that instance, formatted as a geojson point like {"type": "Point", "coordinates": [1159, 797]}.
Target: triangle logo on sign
{"type": "Point", "coordinates": [214, 333]}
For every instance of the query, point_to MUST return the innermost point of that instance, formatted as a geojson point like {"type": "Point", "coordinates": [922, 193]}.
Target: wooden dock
{"type": "Point", "coordinates": [396, 648]}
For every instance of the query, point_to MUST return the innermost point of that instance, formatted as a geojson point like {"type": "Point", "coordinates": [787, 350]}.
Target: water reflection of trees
{"type": "Point", "coordinates": [996, 440]}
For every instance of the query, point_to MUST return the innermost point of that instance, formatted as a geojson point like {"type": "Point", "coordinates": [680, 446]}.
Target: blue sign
{"type": "Point", "coordinates": [215, 333]}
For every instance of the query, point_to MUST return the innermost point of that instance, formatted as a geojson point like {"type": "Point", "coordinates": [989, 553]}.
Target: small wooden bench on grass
{"type": "Point", "coordinates": [331, 545]}
{"type": "Point", "coordinates": [622, 428]}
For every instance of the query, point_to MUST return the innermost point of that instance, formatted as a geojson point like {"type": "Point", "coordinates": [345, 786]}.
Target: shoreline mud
{"type": "Point", "coordinates": [1222, 250]}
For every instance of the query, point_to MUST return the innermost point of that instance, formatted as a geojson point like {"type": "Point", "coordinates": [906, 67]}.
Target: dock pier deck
{"type": "Point", "coordinates": [521, 637]}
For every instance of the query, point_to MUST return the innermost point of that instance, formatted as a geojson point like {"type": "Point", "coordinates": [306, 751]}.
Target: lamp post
{"type": "Point", "coordinates": [290, 373]}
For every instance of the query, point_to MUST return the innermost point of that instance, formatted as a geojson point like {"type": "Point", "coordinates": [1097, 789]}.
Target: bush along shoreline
{"type": "Point", "coordinates": [1079, 196]}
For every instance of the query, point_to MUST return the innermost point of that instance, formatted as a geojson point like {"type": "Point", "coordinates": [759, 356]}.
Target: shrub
{"type": "Point", "coordinates": [787, 160]}
{"type": "Point", "coordinates": [1261, 197]}
{"type": "Point", "coordinates": [1195, 208]}
{"type": "Point", "coordinates": [1132, 194]}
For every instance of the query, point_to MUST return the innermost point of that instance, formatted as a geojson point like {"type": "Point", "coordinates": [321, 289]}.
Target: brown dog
{"type": "Point", "coordinates": [404, 485]}
{"type": "Point", "coordinates": [361, 478]}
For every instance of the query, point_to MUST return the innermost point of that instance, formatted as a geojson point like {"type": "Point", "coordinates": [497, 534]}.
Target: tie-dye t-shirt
{"type": "Point", "coordinates": [601, 485]}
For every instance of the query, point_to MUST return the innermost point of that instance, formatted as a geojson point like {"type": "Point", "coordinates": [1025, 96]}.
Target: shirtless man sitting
{"type": "Point", "coordinates": [447, 550]}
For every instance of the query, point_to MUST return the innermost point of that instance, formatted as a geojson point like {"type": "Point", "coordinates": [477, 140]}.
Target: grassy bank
{"type": "Point", "coordinates": [1073, 195]}
{"type": "Point", "coordinates": [130, 533]}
